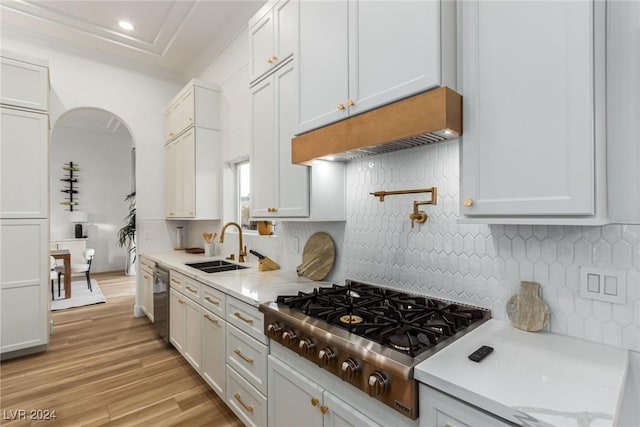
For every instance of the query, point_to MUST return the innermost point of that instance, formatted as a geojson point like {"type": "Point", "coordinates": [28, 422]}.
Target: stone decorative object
{"type": "Point", "coordinates": [526, 310]}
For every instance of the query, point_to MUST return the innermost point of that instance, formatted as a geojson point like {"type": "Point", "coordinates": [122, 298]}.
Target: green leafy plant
{"type": "Point", "coordinates": [127, 234]}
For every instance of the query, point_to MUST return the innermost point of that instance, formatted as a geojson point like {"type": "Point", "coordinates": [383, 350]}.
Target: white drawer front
{"type": "Point", "coordinates": [214, 300]}
{"type": "Point", "coordinates": [147, 264]}
{"type": "Point", "coordinates": [247, 318]}
{"type": "Point", "coordinates": [247, 402]}
{"type": "Point", "coordinates": [248, 357]}
{"type": "Point", "coordinates": [177, 280]}
{"type": "Point", "coordinates": [192, 289]}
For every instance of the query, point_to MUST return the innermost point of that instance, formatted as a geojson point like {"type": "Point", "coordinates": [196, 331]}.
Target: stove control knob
{"type": "Point", "coordinates": [306, 346]}
{"type": "Point", "coordinates": [273, 330]}
{"type": "Point", "coordinates": [349, 369]}
{"type": "Point", "coordinates": [289, 338]}
{"type": "Point", "coordinates": [326, 357]}
{"type": "Point", "coordinates": [378, 384]}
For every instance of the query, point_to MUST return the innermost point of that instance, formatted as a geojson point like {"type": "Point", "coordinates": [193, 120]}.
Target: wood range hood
{"type": "Point", "coordinates": [427, 118]}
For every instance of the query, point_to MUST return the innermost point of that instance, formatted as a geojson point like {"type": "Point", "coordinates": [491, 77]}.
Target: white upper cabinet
{"type": "Point", "coordinates": [533, 79]}
{"type": "Point", "coordinates": [24, 84]}
{"type": "Point", "coordinates": [358, 55]}
{"type": "Point", "coordinates": [198, 104]}
{"type": "Point", "coordinates": [623, 111]}
{"type": "Point", "coordinates": [193, 175]}
{"type": "Point", "coordinates": [280, 188]}
{"type": "Point", "coordinates": [272, 36]}
{"type": "Point", "coordinates": [24, 164]}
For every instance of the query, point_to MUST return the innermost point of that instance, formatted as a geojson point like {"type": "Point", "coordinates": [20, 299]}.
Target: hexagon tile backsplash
{"type": "Point", "coordinates": [478, 264]}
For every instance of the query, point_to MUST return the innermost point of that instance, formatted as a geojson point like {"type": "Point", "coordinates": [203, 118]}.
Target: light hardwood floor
{"type": "Point", "coordinates": [106, 367]}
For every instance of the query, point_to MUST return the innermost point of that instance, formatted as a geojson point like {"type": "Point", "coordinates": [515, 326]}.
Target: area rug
{"type": "Point", "coordinates": [80, 295]}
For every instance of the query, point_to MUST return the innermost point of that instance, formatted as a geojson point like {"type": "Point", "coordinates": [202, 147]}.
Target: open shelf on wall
{"type": "Point", "coordinates": [71, 189]}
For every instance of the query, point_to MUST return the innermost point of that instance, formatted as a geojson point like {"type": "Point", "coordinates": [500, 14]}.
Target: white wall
{"type": "Point", "coordinates": [104, 180]}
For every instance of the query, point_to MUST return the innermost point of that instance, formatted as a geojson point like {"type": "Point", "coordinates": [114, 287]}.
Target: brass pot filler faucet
{"type": "Point", "coordinates": [417, 215]}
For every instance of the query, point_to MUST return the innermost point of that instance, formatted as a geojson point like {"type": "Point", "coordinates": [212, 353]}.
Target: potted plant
{"type": "Point", "coordinates": [127, 234]}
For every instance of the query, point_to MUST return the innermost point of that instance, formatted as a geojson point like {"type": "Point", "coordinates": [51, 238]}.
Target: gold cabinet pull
{"type": "Point", "coordinates": [214, 302]}
{"type": "Point", "coordinates": [244, 319]}
{"type": "Point", "coordinates": [176, 281]}
{"type": "Point", "coordinates": [340, 107]}
{"type": "Point", "coordinates": [181, 302]}
{"type": "Point", "coordinates": [314, 402]}
{"type": "Point", "coordinates": [324, 409]}
{"type": "Point", "coordinates": [244, 405]}
{"type": "Point", "coordinates": [242, 356]}
{"type": "Point", "coordinates": [146, 277]}
{"type": "Point", "coordinates": [190, 289]}
{"type": "Point", "coordinates": [210, 319]}
{"type": "Point", "coordinates": [468, 203]}
{"type": "Point", "coordinates": [350, 103]}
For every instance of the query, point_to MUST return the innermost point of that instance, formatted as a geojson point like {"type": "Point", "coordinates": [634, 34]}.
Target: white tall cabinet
{"type": "Point", "coordinates": [281, 189]}
{"type": "Point", "coordinates": [193, 166]}
{"type": "Point", "coordinates": [533, 149]}
{"type": "Point", "coordinates": [24, 206]}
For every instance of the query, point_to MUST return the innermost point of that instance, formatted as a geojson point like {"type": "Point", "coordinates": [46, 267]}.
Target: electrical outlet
{"type": "Point", "coordinates": [603, 285]}
{"type": "Point", "coordinates": [294, 245]}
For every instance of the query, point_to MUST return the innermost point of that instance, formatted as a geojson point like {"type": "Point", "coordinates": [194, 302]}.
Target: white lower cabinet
{"type": "Point", "coordinates": [441, 410]}
{"type": "Point", "coordinates": [245, 401]}
{"type": "Point", "coordinates": [295, 400]}
{"type": "Point", "coordinates": [193, 334]}
{"type": "Point", "coordinates": [25, 287]}
{"type": "Point", "coordinates": [213, 352]}
{"type": "Point", "coordinates": [248, 357]}
{"type": "Point", "coordinates": [177, 319]}
{"type": "Point", "coordinates": [221, 337]}
{"type": "Point", "coordinates": [185, 329]}
{"type": "Point", "coordinates": [146, 303]}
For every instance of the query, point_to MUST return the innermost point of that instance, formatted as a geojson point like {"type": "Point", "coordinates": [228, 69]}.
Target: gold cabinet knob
{"type": "Point", "coordinates": [324, 409]}
{"type": "Point", "coordinates": [272, 210]}
{"type": "Point", "coordinates": [350, 103]}
{"type": "Point", "coordinates": [468, 203]}
{"type": "Point", "coordinates": [274, 58]}
{"type": "Point", "coordinates": [340, 107]}
{"type": "Point", "coordinates": [269, 61]}
{"type": "Point", "coordinates": [314, 402]}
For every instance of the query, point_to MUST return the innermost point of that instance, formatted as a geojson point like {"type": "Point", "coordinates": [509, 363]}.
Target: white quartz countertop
{"type": "Point", "coordinates": [532, 379]}
{"type": "Point", "coordinates": [249, 285]}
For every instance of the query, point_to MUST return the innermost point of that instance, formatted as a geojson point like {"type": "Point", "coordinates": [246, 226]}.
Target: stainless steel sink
{"type": "Point", "coordinates": [217, 266]}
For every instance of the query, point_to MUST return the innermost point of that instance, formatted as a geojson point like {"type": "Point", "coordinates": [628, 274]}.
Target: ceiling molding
{"type": "Point", "coordinates": [173, 39]}
{"type": "Point", "coordinates": [157, 45]}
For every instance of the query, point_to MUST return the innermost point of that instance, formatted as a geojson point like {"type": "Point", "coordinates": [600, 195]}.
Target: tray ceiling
{"type": "Point", "coordinates": [175, 38]}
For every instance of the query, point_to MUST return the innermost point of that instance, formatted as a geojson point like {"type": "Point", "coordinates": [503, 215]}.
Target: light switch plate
{"type": "Point", "coordinates": [603, 284]}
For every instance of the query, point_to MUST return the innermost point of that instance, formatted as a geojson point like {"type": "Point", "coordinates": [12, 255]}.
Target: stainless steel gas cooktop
{"type": "Point", "coordinates": [368, 335]}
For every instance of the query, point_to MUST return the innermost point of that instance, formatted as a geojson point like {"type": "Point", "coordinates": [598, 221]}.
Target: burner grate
{"type": "Point", "coordinates": [404, 322]}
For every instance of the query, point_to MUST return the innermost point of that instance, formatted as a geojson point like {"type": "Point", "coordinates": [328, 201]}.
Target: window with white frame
{"type": "Point", "coordinates": [243, 187]}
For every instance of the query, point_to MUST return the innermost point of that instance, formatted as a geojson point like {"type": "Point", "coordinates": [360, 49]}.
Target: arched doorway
{"type": "Point", "coordinates": [101, 148]}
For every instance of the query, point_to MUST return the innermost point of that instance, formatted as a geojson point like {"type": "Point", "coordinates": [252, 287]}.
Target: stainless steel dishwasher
{"type": "Point", "coordinates": [161, 301]}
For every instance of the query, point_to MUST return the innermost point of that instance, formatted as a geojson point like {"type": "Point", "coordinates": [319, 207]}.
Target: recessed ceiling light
{"type": "Point", "coordinates": [126, 25]}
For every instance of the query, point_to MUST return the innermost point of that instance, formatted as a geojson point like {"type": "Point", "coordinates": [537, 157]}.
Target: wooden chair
{"type": "Point", "coordinates": [79, 268]}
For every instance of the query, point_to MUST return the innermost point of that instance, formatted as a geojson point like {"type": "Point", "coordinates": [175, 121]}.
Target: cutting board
{"type": "Point", "coordinates": [526, 310]}
{"type": "Point", "coordinates": [317, 257]}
